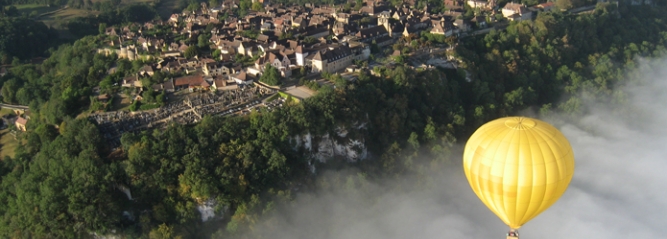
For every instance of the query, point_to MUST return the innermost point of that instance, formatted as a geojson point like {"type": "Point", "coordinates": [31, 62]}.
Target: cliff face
{"type": "Point", "coordinates": [346, 143]}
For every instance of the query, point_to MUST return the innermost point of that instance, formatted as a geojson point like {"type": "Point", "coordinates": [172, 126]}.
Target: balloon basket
{"type": "Point", "coordinates": [513, 234]}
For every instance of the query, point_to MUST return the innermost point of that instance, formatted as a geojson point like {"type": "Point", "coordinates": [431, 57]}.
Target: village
{"type": "Point", "coordinates": [298, 42]}
{"type": "Point", "coordinates": [230, 119]}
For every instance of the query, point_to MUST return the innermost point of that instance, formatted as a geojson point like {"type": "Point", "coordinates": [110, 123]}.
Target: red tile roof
{"type": "Point", "coordinates": [192, 80]}
{"type": "Point", "coordinates": [22, 121]}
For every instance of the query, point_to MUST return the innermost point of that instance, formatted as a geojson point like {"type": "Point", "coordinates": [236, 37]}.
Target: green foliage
{"type": "Point", "coordinates": [24, 38]}
{"type": "Point", "coordinates": [563, 4]}
{"type": "Point", "coordinates": [112, 14]}
{"type": "Point", "coordinates": [148, 106]}
{"type": "Point", "coordinates": [162, 232]}
{"type": "Point", "coordinates": [437, 38]}
{"type": "Point", "coordinates": [252, 34]}
{"type": "Point", "coordinates": [309, 40]}
{"type": "Point", "coordinates": [61, 85]}
{"type": "Point", "coordinates": [191, 52]}
{"type": "Point", "coordinates": [61, 184]}
{"type": "Point", "coordinates": [286, 35]}
{"type": "Point", "coordinates": [535, 63]}
{"type": "Point", "coordinates": [257, 6]}
{"type": "Point", "coordinates": [399, 59]}
{"type": "Point", "coordinates": [102, 28]}
{"type": "Point", "coordinates": [216, 54]}
{"type": "Point", "coordinates": [9, 91]}
{"type": "Point", "coordinates": [62, 191]}
{"type": "Point", "coordinates": [138, 13]}
{"type": "Point", "coordinates": [135, 105]}
{"type": "Point", "coordinates": [244, 7]}
{"type": "Point", "coordinates": [193, 6]}
{"type": "Point", "coordinates": [313, 85]}
{"type": "Point", "coordinates": [202, 40]}
{"type": "Point", "coordinates": [271, 76]}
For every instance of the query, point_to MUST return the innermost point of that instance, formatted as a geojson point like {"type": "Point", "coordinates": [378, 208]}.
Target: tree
{"type": "Point", "coordinates": [148, 96]}
{"type": "Point", "coordinates": [135, 105]}
{"type": "Point", "coordinates": [162, 232]}
{"type": "Point", "coordinates": [24, 38]}
{"type": "Point", "coordinates": [286, 35]}
{"type": "Point", "coordinates": [257, 6]}
{"type": "Point", "coordinates": [193, 7]}
{"type": "Point", "coordinates": [309, 40]}
{"type": "Point", "coordinates": [202, 41]}
{"type": "Point", "coordinates": [216, 54]}
{"type": "Point", "coordinates": [191, 52]}
{"type": "Point", "coordinates": [102, 28]}
{"type": "Point", "coordinates": [271, 76]}
{"type": "Point", "coordinates": [62, 185]}
{"type": "Point", "coordinates": [358, 4]}
{"type": "Point", "coordinates": [244, 6]}
{"type": "Point", "coordinates": [138, 13]}
{"type": "Point", "coordinates": [414, 140]}
{"type": "Point", "coordinates": [9, 90]}
{"type": "Point", "coordinates": [564, 4]}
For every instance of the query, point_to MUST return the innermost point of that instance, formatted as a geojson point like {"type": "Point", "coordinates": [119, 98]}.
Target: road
{"type": "Point", "coordinates": [497, 27]}
{"type": "Point", "coordinates": [583, 9]}
{"type": "Point", "coordinates": [14, 107]}
{"type": "Point", "coordinates": [502, 26]}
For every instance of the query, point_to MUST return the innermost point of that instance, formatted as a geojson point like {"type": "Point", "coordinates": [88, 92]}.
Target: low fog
{"type": "Point", "coordinates": [619, 189]}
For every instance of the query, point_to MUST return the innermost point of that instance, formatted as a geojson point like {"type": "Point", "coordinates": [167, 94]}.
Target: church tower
{"type": "Point", "coordinates": [383, 19]}
{"type": "Point", "coordinates": [492, 4]}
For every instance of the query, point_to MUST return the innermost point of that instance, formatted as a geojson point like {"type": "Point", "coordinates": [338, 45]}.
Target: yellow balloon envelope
{"type": "Point", "coordinates": [518, 167]}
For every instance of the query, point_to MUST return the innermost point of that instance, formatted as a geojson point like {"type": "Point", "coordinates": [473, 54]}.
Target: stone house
{"type": "Point", "coordinates": [516, 12]}
{"type": "Point", "coordinates": [331, 59]}
{"type": "Point", "coordinates": [20, 123]}
{"type": "Point", "coordinates": [167, 86]}
{"type": "Point", "coordinates": [132, 81]}
{"type": "Point", "coordinates": [442, 28]}
{"type": "Point", "coordinates": [241, 78]}
{"type": "Point", "coordinates": [191, 82]}
{"type": "Point", "coordinates": [220, 83]}
{"type": "Point", "coordinates": [215, 69]}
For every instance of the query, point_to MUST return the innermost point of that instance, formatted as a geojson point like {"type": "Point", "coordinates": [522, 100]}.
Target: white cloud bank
{"type": "Point", "coordinates": [619, 189]}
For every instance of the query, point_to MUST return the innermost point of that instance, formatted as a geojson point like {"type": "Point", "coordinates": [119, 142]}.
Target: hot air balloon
{"type": "Point", "coordinates": [518, 167]}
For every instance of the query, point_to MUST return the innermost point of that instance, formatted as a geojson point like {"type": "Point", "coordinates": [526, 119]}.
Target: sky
{"type": "Point", "coordinates": [619, 188]}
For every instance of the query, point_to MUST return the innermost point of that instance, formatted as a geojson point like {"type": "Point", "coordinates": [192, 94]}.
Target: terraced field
{"type": "Point", "coordinates": [57, 17]}
{"type": "Point", "coordinates": [167, 7]}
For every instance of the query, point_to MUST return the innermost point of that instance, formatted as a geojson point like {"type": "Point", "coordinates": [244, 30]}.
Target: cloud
{"type": "Point", "coordinates": [619, 189]}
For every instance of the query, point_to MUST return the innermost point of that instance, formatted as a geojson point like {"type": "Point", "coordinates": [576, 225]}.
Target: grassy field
{"type": "Point", "coordinates": [37, 8]}
{"type": "Point", "coordinates": [64, 15]}
{"type": "Point", "coordinates": [128, 2]}
{"type": "Point", "coordinates": [57, 18]}
{"type": "Point", "coordinates": [121, 102]}
{"type": "Point", "coordinates": [7, 142]}
{"type": "Point", "coordinates": [167, 7]}
{"type": "Point", "coordinates": [54, 16]}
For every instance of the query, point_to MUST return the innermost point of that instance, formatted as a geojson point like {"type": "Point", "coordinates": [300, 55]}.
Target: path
{"type": "Point", "coordinates": [14, 107]}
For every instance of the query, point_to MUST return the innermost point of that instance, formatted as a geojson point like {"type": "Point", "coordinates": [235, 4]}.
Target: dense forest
{"type": "Point", "coordinates": [86, 26]}
{"type": "Point", "coordinates": [64, 182]}
{"type": "Point", "coordinates": [82, 4]}
{"type": "Point", "coordinates": [557, 57]}
{"type": "Point", "coordinates": [23, 38]}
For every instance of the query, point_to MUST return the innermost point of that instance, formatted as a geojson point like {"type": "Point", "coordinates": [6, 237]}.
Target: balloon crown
{"type": "Point", "coordinates": [520, 123]}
